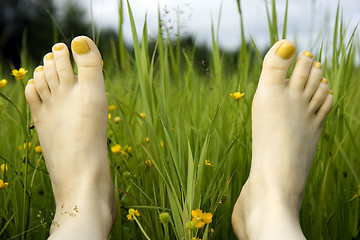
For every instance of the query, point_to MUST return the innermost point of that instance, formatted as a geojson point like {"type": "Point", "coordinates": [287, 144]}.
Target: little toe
{"type": "Point", "coordinates": [325, 108]}
{"type": "Point", "coordinates": [50, 72]}
{"type": "Point", "coordinates": [314, 80]}
{"type": "Point", "coordinates": [277, 63]}
{"type": "Point", "coordinates": [63, 65]}
{"type": "Point", "coordinates": [319, 97]}
{"type": "Point", "coordinates": [88, 60]}
{"type": "Point", "coordinates": [32, 96]}
{"type": "Point", "coordinates": [301, 71]}
{"type": "Point", "coordinates": [41, 84]}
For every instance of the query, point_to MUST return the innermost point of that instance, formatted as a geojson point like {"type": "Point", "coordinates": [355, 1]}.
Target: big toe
{"type": "Point", "coordinates": [88, 60]}
{"type": "Point", "coordinates": [277, 63]}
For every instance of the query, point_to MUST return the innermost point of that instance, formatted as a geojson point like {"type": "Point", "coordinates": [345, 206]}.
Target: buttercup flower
{"type": "Point", "coordinates": [3, 185]}
{"type": "Point", "coordinates": [237, 95]}
{"type": "Point", "coordinates": [109, 116]}
{"type": "Point", "coordinates": [143, 115]}
{"type": "Point", "coordinates": [162, 144]}
{"type": "Point", "coordinates": [3, 83]}
{"type": "Point", "coordinates": [4, 167]}
{"type": "Point", "coordinates": [38, 149]}
{"type": "Point", "coordinates": [116, 148]}
{"type": "Point", "coordinates": [112, 108]}
{"type": "Point", "coordinates": [200, 218]}
{"type": "Point", "coordinates": [147, 140]}
{"type": "Point", "coordinates": [19, 74]}
{"type": "Point", "coordinates": [28, 145]}
{"type": "Point", "coordinates": [132, 214]}
{"type": "Point", "coordinates": [148, 163]}
{"type": "Point", "coordinates": [208, 163]}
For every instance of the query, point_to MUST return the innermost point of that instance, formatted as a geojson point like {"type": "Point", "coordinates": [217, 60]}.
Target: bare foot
{"type": "Point", "coordinates": [287, 119]}
{"type": "Point", "coordinates": [70, 116]}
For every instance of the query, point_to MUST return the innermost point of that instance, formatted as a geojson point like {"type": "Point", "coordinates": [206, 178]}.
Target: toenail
{"type": "Point", "coordinates": [318, 65]}
{"type": "Point", "coordinates": [49, 56]}
{"type": "Point", "coordinates": [285, 51]}
{"type": "Point", "coordinates": [308, 54]}
{"type": "Point", "coordinates": [80, 47]}
{"type": "Point", "coordinates": [330, 92]}
{"type": "Point", "coordinates": [58, 47]}
{"type": "Point", "coordinates": [30, 81]}
{"type": "Point", "coordinates": [324, 80]}
{"type": "Point", "coordinates": [39, 69]}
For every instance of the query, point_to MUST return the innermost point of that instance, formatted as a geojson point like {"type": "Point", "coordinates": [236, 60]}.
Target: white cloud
{"type": "Point", "coordinates": [307, 19]}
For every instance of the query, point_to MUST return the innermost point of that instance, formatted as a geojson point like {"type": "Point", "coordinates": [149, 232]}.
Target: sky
{"type": "Point", "coordinates": [309, 21]}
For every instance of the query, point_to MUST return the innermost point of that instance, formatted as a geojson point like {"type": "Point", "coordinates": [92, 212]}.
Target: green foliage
{"type": "Point", "coordinates": [190, 120]}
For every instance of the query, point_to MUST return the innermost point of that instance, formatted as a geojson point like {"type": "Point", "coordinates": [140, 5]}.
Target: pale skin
{"type": "Point", "coordinates": [70, 116]}
{"type": "Point", "coordinates": [287, 119]}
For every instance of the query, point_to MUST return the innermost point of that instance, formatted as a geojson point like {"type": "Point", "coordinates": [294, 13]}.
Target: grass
{"type": "Point", "coordinates": [190, 119]}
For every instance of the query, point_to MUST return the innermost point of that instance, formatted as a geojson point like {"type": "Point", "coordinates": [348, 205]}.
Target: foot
{"type": "Point", "coordinates": [70, 116]}
{"type": "Point", "coordinates": [287, 119]}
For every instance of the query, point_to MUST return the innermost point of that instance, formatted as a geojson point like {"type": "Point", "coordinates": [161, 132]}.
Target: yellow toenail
{"type": "Point", "coordinates": [80, 47]}
{"type": "Point", "coordinates": [49, 56]}
{"type": "Point", "coordinates": [286, 51]}
{"type": "Point", "coordinates": [324, 80]}
{"type": "Point", "coordinates": [58, 47]}
{"type": "Point", "coordinates": [30, 81]}
{"type": "Point", "coordinates": [308, 54]}
{"type": "Point", "coordinates": [39, 69]}
{"type": "Point", "coordinates": [318, 65]}
{"type": "Point", "coordinates": [330, 92]}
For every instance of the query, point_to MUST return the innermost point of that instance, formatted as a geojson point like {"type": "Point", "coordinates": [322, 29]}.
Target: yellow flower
{"type": "Point", "coordinates": [148, 163]}
{"type": "Point", "coordinates": [112, 108]}
{"type": "Point", "coordinates": [208, 163]}
{"type": "Point", "coordinates": [132, 214]}
{"type": "Point", "coordinates": [200, 218]}
{"type": "Point", "coordinates": [29, 145]}
{"type": "Point", "coordinates": [128, 148]}
{"type": "Point", "coordinates": [19, 74]}
{"type": "Point", "coordinates": [147, 140]}
{"type": "Point", "coordinates": [4, 167]}
{"type": "Point", "coordinates": [38, 149]}
{"type": "Point", "coordinates": [162, 144]}
{"type": "Point", "coordinates": [116, 148]}
{"type": "Point", "coordinates": [3, 83]}
{"type": "Point", "coordinates": [109, 116]}
{"type": "Point", "coordinates": [143, 115]}
{"type": "Point", "coordinates": [3, 185]}
{"type": "Point", "coordinates": [237, 95]}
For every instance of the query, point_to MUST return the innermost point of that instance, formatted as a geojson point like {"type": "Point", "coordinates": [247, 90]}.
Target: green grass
{"type": "Point", "coordinates": [190, 118]}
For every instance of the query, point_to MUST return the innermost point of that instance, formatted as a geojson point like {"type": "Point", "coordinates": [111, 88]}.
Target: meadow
{"type": "Point", "coordinates": [178, 141]}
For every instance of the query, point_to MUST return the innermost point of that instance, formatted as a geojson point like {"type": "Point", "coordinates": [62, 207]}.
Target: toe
{"type": "Point", "coordinates": [32, 96]}
{"type": "Point", "coordinates": [301, 71]}
{"type": "Point", "coordinates": [50, 72]}
{"type": "Point", "coordinates": [41, 84]}
{"type": "Point", "coordinates": [314, 80]}
{"type": "Point", "coordinates": [325, 108]}
{"type": "Point", "coordinates": [319, 97]}
{"type": "Point", "coordinates": [63, 65]}
{"type": "Point", "coordinates": [277, 63]}
{"type": "Point", "coordinates": [88, 60]}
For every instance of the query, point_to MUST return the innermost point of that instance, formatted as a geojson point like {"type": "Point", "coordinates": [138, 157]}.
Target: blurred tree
{"type": "Point", "coordinates": [37, 25]}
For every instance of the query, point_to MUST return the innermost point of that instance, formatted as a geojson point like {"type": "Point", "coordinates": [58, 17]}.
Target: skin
{"type": "Point", "coordinates": [287, 120]}
{"type": "Point", "coordinates": [70, 116]}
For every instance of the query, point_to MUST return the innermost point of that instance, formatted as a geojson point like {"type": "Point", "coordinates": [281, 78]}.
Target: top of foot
{"type": "Point", "coordinates": [287, 119]}
{"type": "Point", "coordinates": [70, 116]}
